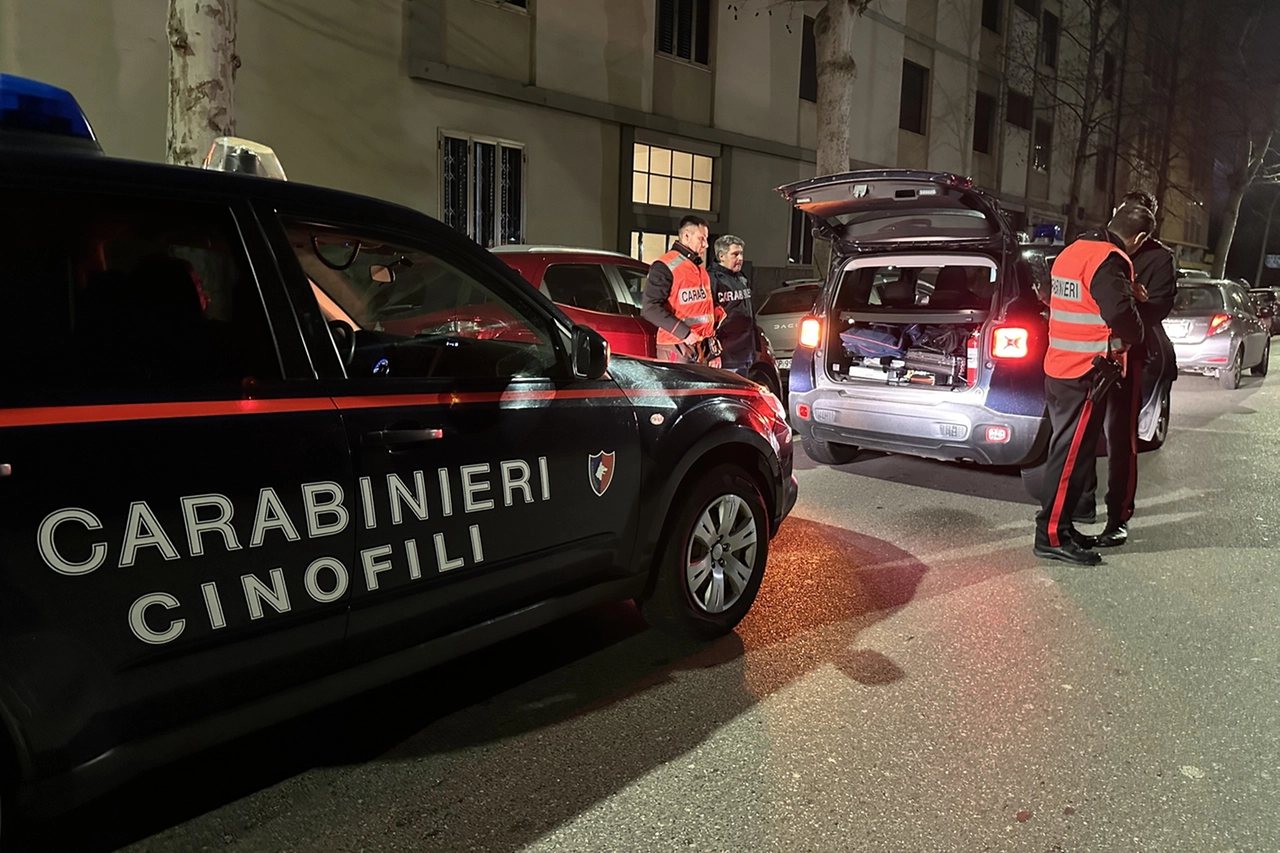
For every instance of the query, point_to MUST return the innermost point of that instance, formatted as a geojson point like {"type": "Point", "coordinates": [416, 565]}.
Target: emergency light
{"type": "Point", "coordinates": [233, 154]}
{"type": "Point", "coordinates": [41, 116]}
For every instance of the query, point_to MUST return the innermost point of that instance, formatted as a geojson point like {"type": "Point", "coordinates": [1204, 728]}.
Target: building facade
{"type": "Point", "coordinates": [598, 122]}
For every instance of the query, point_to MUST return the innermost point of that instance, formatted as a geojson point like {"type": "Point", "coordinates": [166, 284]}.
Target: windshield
{"type": "Point", "coordinates": [897, 289]}
{"type": "Point", "coordinates": [1197, 299]}
{"type": "Point", "coordinates": [796, 301]}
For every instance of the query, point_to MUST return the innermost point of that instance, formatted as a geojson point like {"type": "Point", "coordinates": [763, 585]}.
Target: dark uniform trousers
{"type": "Point", "coordinates": [1076, 422]}
{"type": "Point", "coordinates": [1120, 428]}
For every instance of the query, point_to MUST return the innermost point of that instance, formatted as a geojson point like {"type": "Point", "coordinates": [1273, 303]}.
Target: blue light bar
{"type": "Point", "coordinates": [29, 106]}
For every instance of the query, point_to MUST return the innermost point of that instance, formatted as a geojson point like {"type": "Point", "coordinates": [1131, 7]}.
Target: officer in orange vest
{"type": "Point", "coordinates": [1093, 320]}
{"type": "Point", "coordinates": [678, 298]}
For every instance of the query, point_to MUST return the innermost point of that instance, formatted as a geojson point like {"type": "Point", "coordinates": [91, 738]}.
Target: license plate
{"type": "Point", "coordinates": [1177, 329]}
{"type": "Point", "coordinates": [784, 364]}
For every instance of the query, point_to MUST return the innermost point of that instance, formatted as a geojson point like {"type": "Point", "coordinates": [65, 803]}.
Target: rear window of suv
{"type": "Point", "coordinates": [897, 289]}
{"type": "Point", "coordinates": [795, 301]}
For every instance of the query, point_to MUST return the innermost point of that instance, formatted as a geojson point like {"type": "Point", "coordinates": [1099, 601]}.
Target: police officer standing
{"type": "Point", "coordinates": [677, 297]}
{"type": "Point", "coordinates": [732, 291]}
{"type": "Point", "coordinates": [1093, 320]}
{"type": "Point", "coordinates": [1155, 271]}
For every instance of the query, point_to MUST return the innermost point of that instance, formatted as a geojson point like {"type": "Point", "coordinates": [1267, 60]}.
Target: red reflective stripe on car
{"type": "Point", "coordinates": [46, 415]}
{"type": "Point", "coordinates": [50, 415]}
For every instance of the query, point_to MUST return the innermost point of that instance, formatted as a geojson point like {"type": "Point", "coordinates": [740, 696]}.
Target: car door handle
{"type": "Point", "coordinates": [395, 439]}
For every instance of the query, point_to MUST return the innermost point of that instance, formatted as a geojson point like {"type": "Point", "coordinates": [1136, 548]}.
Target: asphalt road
{"type": "Point", "coordinates": [911, 679]}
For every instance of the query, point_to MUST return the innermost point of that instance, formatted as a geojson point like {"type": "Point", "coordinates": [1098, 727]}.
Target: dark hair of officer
{"type": "Point", "coordinates": [695, 221]}
{"type": "Point", "coordinates": [1130, 221]}
{"type": "Point", "coordinates": [1142, 198]}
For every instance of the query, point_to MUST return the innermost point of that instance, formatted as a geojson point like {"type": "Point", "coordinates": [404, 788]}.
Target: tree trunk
{"type": "Point", "coordinates": [833, 43]}
{"type": "Point", "coordinates": [202, 76]}
{"type": "Point", "coordinates": [1087, 115]}
{"type": "Point", "coordinates": [1170, 116]}
{"type": "Point", "coordinates": [1229, 221]}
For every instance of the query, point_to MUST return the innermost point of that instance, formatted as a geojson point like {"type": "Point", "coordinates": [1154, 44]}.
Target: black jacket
{"type": "Point", "coordinates": [1112, 289]}
{"type": "Point", "coordinates": [732, 292]}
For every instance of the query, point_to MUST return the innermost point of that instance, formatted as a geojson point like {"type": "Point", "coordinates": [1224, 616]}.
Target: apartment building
{"type": "Point", "coordinates": [594, 122]}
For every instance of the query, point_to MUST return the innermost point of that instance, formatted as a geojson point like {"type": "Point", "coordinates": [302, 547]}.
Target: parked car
{"type": "Point", "coordinates": [1215, 331]}
{"type": "Point", "coordinates": [1265, 304]}
{"type": "Point", "coordinates": [602, 290]}
{"type": "Point", "coordinates": [231, 491]}
{"type": "Point", "coordinates": [781, 314]}
{"type": "Point", "coordinates": [929, 335]}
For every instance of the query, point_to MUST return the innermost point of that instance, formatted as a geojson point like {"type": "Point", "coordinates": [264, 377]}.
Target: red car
{"type": "Point", "coordinates": [602, 290]}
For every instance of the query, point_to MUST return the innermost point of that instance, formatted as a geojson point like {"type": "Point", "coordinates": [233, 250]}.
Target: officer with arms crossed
{"type": "Point", "coordinates": [1093, 320]}
{"type": "Point", "coordinates": [1155, 271]}
{"type": "Point", "coordinates": [733, 294]}
{"type": "Point", "coordinates": [677, 297]}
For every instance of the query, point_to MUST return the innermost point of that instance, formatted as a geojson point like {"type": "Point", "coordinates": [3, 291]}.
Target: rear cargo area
{"type": "Point", "coordinates": [910, 326]}
{"type": "Point", "coordinates": [924, 355]}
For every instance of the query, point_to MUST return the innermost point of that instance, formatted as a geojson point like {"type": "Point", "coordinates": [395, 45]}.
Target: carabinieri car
{"type": "Point", "coordinates": [242, 475]}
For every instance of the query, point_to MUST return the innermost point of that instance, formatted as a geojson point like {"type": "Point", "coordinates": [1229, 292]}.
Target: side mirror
{"type": "Point", "coordinates": [589, 352]}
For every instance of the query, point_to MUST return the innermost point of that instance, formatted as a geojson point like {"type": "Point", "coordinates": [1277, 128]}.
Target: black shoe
{"type": "Point", "coordinates": [1113, 536]}
{"type": "Point", "coordinates": [1084, 540]}
{"type": "Point", "coordinates": [1068, 552]}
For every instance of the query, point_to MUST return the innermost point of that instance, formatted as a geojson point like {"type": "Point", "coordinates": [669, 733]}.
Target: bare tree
{"type": "Point", "coordinates": [833, 42]}
{"type": "Point", "coordinates": [202, 77]}
{"type": "Point", "coordinates": [1248, 117]}
{"type": "Point", "coordinates": [1073, 85]}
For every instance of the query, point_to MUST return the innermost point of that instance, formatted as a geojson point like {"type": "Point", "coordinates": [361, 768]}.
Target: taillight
{"type": "Point", "coordinates": [1219, 323]}
{"type": "Point", "coordinates": [1010, 342]}
{"type": "Point", "coordinates": [810, 332]}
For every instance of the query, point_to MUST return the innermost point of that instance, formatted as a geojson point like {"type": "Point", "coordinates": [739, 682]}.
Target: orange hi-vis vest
{"type": "Point", "coordinates": [690, 300]}
{"type": "Point", "coordinates": [1077, 332]}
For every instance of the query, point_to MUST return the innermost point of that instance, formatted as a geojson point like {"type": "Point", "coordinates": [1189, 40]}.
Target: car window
{"type": "Point", "coordinates": [412, 314]}
{"type": "Point", "coordinates": [1197, 298]}
{"type": "Point", "coordinates": [897, 289]}
{"type": "Point", "coordinates": [635, 280]}
{"type": "Point", "coordinates": [581, 285]}
{"type": "Point", "coordinates": [795, 301]}
{"type": "Point", "coordinates": [108, 296]}
{"type": "Point", "coordinates": [1239, 301]}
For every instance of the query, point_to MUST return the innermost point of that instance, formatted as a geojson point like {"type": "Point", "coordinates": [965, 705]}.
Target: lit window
{"type": "Point", "coordinates": [670, 178]}
{"type": "Point", "coordinates": [483, 189]}
{"type": "Point", "coordinates": [648, 246]}
{"type": "Point", "coordinates": [1043, 148]}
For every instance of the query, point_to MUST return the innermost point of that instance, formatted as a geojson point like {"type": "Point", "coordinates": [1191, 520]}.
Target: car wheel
{"type": "Point", "coordinates": [1229, 377]}
{"type": "Point", "coordinates": [1162, 424]}
{"type": "Point", "coordinates": [828, 452]}
{"type": "Point", "coordinates": [711, 567]}
{"type": "Point", "coordinates": [1260, 369]}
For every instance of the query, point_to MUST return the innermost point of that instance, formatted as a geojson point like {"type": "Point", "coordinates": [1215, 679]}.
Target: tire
{"type": "Point", "coordinates": [828, 452]}
{"type": "Point", "coordinates": [693, 598]}
{"type": "Point", "coordinates": [1229, 377]}
{"type": "Point", "coordinates": [1162, 424]}
{"type": "Point", "coordinates": [1260, 369]}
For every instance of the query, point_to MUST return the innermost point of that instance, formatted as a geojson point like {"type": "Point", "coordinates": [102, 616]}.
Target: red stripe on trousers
{"type": "Point", "coordinates": [1131, 487]}
{"type": "Point", "coordinates": [1061, 497]}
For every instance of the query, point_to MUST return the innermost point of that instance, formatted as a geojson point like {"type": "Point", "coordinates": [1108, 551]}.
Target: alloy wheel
{"type": "Point", "coordinates": [721, 555]}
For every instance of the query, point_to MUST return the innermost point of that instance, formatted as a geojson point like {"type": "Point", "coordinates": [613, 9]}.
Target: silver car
{"type": "Point", "coordinates": [1215, 331]}
{"type": "Point", "coordinates": [780, 316]}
